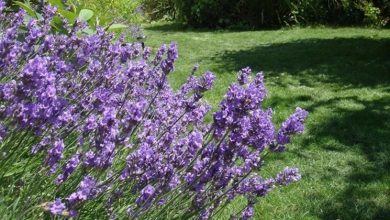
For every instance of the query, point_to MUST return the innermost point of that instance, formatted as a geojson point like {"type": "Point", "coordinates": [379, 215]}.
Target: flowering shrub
{"type": "Point", "coordinates": [103, 115]}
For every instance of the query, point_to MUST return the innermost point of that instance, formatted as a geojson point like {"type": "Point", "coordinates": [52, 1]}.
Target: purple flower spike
{"type": "Point", "coordinates": [244, 76]}
{"type": "Point", "coordinates": [288, 175]}
{"type": "Point", "coordinates": [146, 196]}
{"type": "Point", "coordinates": [102, 107]}
{"type": "Point", "coordinates": [55, 154]}
{"type": "Point", "coordinates": [70, 166]}
{"type": "Point", "coordinates": [3, 132]}
{"type": "Point", "coordinates": [2, 5]}
{"type": "Point", "coordinates": [57, 207]}
{"type": "Point", "coordinates": [247, 213]}
{"type": "Point", "coordinates": [207, 81]}
{"type": "Point", "coordinates": [87, 190]}
{"type": "Point", "coordinates": [293, 125]}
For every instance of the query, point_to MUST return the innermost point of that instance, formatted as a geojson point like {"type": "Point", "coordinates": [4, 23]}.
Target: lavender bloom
{"type": "Point", "coordinates": [205, 214]}
{"type": "Point", "coordinates": [87, 190]}
{"type": "Point", "coordinates": [288, 175]}
{"type": "Point", "coordinates": [244, 75]}
{"type": "Point", "coordinates": [3, 132]}
{"type": "Point", "coordinates": [206, 81]}
{"type": "Point", "coordinates": [57, 207]}
{"type": "Point", "coordinates": [256, 186]}
{"type": "Point", "coordinates": [49, 11]}
{"type": "Point", "coordinates": [172, 55]}
{"type": "Point", "coordinates": [70, 166]}
{"type": "Point", "coordinates": [2, 5]}
{"type": "Point", "coordinates": [293, 125]}
{"type": "Point", "coordinates": [55, 154]}
{"type": "Point", "coordinates": [146, 196]}
{"type": "Point", "coordinates": [247, 213]}
{"type": "Point", "coordinates": [107, 107]}
{"type": "Point", "coordinates": [159, 55]}
{"type": "Point", "coordinates": [146, 53]}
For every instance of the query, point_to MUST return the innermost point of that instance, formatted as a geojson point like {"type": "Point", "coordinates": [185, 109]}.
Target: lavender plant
{"type": "Point", "coordinates": [102, 115]}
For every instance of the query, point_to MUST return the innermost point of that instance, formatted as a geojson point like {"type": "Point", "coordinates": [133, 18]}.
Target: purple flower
{"type": "Point", "coordinates": [159, 55]}
{"type": "Point", "coordinates": [55, 154]}
{"type": "Point", "coordinates": [2, 5]}
{"type": "Point", "coordinates": [206, 81]}
{"type": "Point", "coordinates": [86, 190]}
{"type": "Point", "coordinates": [255, 186]}
{"type": "Point", "coordinates": [243, 75]}
{"type": "Point", "coordinates": [3, 132]}
{"type": "Point", "coordinates": [172, 53]}
{"type": "Point", "coordinates": [49, 11]}
{"type": "Point", "coordinates": [68, 169]}
{"type": "Point", "coordinates": [247, 213]}
{"type": "Point", "coordinates": [293, 125]}
{"type": "Point", "coordinates": [109, 109]}
{"type": "Point", "coordinates": [57, 207]}
{"type": "Point", "coordinates": [146, 53]}
{"type": "Point", "coordinates": [288, 175]}
{"type": "Point", "coordinates": [205, 214]}
{"type": "Point", "coordinates": [146, 196]}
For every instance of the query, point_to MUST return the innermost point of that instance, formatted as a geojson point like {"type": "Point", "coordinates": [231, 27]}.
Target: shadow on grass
{"type": "Point", "coordinates": [362, 126]}
{"type": "Point", "coordinates": [348, 61]}
{"type": "Point", "coordinates": [367, 132]}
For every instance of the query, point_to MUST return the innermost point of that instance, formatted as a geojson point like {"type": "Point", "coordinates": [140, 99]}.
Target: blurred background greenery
{"type": "Point", "coordinates": [241, 13]}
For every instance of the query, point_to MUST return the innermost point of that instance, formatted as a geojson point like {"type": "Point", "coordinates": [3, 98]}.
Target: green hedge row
{"type": "Point", "coordinates": [266, 13]}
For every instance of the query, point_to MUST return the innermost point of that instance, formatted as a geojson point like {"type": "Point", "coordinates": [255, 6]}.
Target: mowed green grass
{"type": "Point", "coordinates": [342, 77]}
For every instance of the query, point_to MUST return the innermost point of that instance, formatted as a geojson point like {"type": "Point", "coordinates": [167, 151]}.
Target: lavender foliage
{"type": "Point", "coordinates": [103, 109]}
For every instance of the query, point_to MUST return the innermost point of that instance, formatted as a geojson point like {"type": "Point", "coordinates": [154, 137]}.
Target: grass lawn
{"type": "Point", "coordinates": [342, 77]}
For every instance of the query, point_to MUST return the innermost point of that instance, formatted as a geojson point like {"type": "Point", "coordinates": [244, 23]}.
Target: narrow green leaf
{"type": "Point", "coordinates": [16, 169]}
{"type": "Point", "coordinates": [15, 204]}
{"type": "Point", "coordinates": [27, 8]}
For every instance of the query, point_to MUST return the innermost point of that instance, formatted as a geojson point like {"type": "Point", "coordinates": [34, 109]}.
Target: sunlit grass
{"type": "Point", "coordinates": [342, 76]}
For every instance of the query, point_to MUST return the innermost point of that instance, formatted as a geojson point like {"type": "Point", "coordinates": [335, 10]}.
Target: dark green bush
{"type": "Point", "coordinates": [214, 13]}
{"type": "Point", "coordinates": [339, 12]}
{"type": "Point", "coordinates": [125, 11]}
{"type": "Point", "coordinates": [159, 9]}
{"type": "Point", "coordinates": [265, 13]}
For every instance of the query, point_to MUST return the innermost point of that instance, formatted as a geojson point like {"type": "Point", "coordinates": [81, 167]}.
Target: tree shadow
{"type": "Point", "coordinates": [366, 131]}
{"type": "Point", "coordinates": [348, 61]}
{"type": "Point", "coordinates": [358, 124]}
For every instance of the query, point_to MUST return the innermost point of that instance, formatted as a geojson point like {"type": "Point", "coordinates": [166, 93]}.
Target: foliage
{"type": "Point", "coordinates": [341, 76]}
{"type": "Point", "coordinates": [67, 13]}
{"type": "Point", "coordinates": [115, 138]}
{"type": "Point", "coordinates": [338, 12]}
{"type": "Point", "coordinates": [126, 11]}
{"type": "Point", "coordinates": [159, 9]}
{"type": "Point", "coordinates": [372, 14]}
{"type": "Point", "coordinates": [264, 13]}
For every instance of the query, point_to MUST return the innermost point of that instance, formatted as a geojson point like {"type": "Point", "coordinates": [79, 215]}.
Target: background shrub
{"type": "Point", "coordinates": [247, 13]}
{"type": "Point", "coordinates": [156, 10]}
{"type": "Point", "coordinates": [342, 12]}
{"type": "Point", "coordinates": [118, 10]}
{"type": "Point", "coordinates": [266, 13]}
